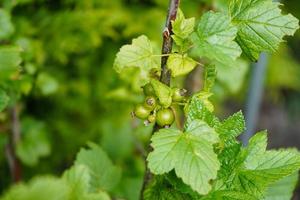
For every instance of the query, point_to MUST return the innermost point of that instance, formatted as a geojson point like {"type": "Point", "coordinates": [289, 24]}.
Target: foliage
{"type": "Point", "coordinates": [81, 181]}
{"type": "Point", "coordinates": [206, 156]}
{"type": "Point", "coordinates": [55, 66]}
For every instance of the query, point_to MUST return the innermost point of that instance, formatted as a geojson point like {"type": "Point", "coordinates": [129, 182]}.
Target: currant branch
{"type": "Point", "coordinates": [13, 161]}
{"type": "Point", "coordinates": [165, 72]}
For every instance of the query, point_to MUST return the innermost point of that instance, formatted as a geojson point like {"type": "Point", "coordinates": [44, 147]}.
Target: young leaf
{"type": "Point", "coordinates": [215, 38]}
{"type": "Point", "coordinates": [4, 99]}
{"type": "Point", "coordinates": [163, 93]}
{"type": "Point", "coordinates": [180, 64]}
{"type": "Point", "coordinates": [139, 54]}
{"type": "Point", "coordinates": [232, 127]}
{"type": "Point", "coordinates": [190, 154]}
{"type": "Point", "coordinates": [204, 97]}
{"type": "Point", "coordinates": [196, 109]}
{"type": "Point", "coordinates": [261, 26]}
{"type": "Point", "coordinates": [209, 77]}
{"type": "Point", "coordinates": [104, 175]}
{"type": "Point", "coordinates": [183, 27]}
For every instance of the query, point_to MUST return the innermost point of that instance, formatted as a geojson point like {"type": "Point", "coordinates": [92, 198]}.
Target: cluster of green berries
{"type": "Point", "coordinates": [152, 112]}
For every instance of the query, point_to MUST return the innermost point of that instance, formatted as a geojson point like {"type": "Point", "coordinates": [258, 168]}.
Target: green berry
{"type": "Point", "coordinates": [179, 94]}
{"type": "Point", "coordinates": [148, 90]}
{"type": "Point", "coordinates": [165, 117]}
{"type": "Point", "coordinates": [150, 103]}
{"type": "Point", "coordinates": [141, 112]}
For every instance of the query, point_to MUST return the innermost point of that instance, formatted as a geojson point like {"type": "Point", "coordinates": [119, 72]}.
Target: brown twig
{"type": "Point", "coordinates": [165, 72]}
{"type": "Point", "coordinates": [13, 162]}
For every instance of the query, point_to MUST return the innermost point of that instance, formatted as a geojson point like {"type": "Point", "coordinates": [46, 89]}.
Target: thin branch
{"type": "Point", "coordinates": [167, 41]}
{"type": "Point", "coordinates": [165, 72]}
{"type": "Point", "coordinates": [14, 138]}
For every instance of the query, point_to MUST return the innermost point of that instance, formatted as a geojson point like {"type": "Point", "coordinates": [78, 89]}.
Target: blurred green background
{"type": "Point", "coordinates": [68, 93]}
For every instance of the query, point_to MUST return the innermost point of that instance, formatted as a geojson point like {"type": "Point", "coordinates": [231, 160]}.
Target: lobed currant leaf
{"type": "Point", "coordinates": [180, 64]}
{"type": "Point", "coordinates": [214, 38]}
{"type": "Point", "coordinates": [140, 55]}
{"type": "Point", "coordinates": [282, 189]}
{"type": "Point", "coordinates": [104, 175]}
{"type": "Point", "coordinates": [181, 26]}
{"type": "Point", "coordinates": [231, 127]}
{"type": "Point", "coordinates": [190, 154]}
{"type": "Point", "coordinates": [261, 26]}
{"type": "Point", "coordinates": [196, 109]}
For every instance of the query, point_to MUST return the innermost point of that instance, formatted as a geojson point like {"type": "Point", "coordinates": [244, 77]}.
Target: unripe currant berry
{"type": "Point", "coordinates": [179, 94]}
{"type": "Point", "coordinates": [148, 90]}
{"type": "Point", "coordinates": [141, 112]}
{"type": "Point", "coordinates": [165, 117]}
{"type": "Point", "coordinates": [150, 103]}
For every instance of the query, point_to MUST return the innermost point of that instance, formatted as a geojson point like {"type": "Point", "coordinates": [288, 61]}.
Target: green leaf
{"type": "Point", "coordinates": [97, 196]}
{"type": "Point", "coordinates": [229, 195]}
{"type": "Point", "coordinates": [46, 188]}
{"type": "Point", "coordinates": [163, 93]}
{"type": "Point", "coordinates": [231, 127]}
{"type": "Point", "coordinates": [191, 155]}
{"type": "Point", "coordinates": [104, 175]}
{"type": "Point", "coordinates": [231, 159]}
{"type": "Point", "coordinates": [10, 60]}
{"type": "Point", "coordinates": [34, 143]}
{"type": "Point", "coordinates": [180, 186]}
{"type": "Point", "coordinates": [204, 97]}
{"type": "Point", "coordinates": [282, 189]}
{"type": "Point", "coordinates": [262, 168]}
{"type": "Point", "coordinates": [183, 27]}
{"type": "Point", "coordinates": [272, 165]}
{"type": "Point", "coordinates": [164, 157]}
{"type": "Point", "coordinates": [238, 70]}
{"type": "Point", "coordinates": [180, 64]}
{"type": "Point", "coordinates": [78, 179]}
{"type": "Point", "coordinates": [261, 26]}
{"type": "Point", "coordinates": [210, 76]}
{"type": "Point", "coordinates": [196, 109]}
{"type": "Point", "coordinates": [215, 38]}
{"type": "Point", "coordinates": [4, 99]}
{"type": "Point", "coordinates": [139, 54]}
{"type": "Point", "coordinates": [6, 26]}
{"type": "Point", "coordinates": [202, 129]}
{"type": "Point", "coordinates": [160, 189]}
{"type": "Point", "coordinates": [257, 145]}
